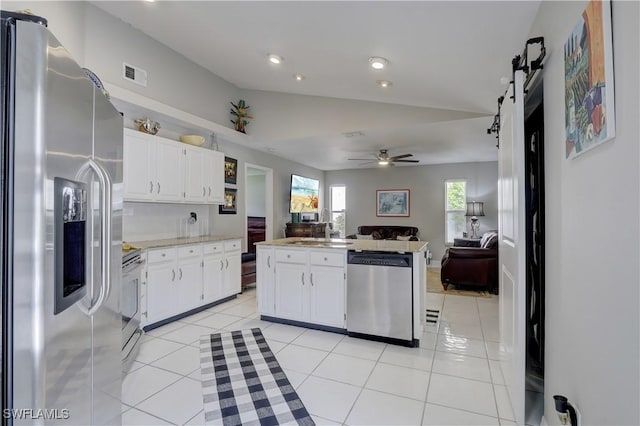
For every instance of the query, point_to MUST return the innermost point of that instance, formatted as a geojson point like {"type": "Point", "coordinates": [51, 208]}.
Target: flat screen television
{"type": "Point", "coordinates": [304, 195]}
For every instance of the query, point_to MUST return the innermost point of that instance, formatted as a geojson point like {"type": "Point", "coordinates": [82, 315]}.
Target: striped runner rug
{"type": "Point", "coordinates": [243, 383]}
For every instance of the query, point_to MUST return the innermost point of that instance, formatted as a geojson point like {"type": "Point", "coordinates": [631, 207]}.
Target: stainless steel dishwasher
{"type": "Point", "coordinates": [380, 296]}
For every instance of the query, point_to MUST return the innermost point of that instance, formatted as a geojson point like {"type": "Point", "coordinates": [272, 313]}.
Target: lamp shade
{"type": "Point", "coordinates": [475, 208]}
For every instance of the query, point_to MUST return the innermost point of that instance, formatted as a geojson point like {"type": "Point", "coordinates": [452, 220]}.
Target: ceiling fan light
{"type": "Point", "coordinates": [383, 162]}
{"type": "Point", "coordinates": [378, 63]}
{"type": "Point", "coordinates": [384, 83]}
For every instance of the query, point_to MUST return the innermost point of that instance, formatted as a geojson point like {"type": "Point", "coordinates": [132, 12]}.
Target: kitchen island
{"type": "Point", "coordinates": [315, 282]}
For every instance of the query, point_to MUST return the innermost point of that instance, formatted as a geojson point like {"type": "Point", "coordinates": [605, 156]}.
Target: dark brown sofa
{"type": "Point", "coordinates": [472, 266]}
{"type": "Point", "coordinates": [379, 232]}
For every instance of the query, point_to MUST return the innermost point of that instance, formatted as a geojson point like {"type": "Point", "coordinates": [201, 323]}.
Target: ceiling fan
{"type": "Point", "coordinates": [383, 158]}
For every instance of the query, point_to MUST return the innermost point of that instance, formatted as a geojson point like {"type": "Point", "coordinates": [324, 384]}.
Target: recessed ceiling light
{"type": "Point", "coordinates": [298, 77]}
{"type": "Point", "coordinates": [384, 83]}
{"type": "Point", "coordinates": [275, 59]}
{"type": "Point", "coordinates": [378, 63]}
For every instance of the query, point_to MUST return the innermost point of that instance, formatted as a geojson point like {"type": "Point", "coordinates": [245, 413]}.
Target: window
{"type": "Point", "coordinates": [455, 207]}
{"type": "Point", "coordinates": [338, 208]}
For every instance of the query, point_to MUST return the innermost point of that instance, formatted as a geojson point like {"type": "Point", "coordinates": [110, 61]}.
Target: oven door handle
{"type": "Point", "coordinates": [132, 266]}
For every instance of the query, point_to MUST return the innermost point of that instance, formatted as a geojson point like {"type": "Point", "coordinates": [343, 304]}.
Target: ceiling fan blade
{"type": "Point", "coordinates": [397, 157]}
{"type": "Point", "coordinates": [362, 159]}
{"type": "Point", "coordinates": [367, 162]}
{"type": "Point", "coordinates": [406, 161]}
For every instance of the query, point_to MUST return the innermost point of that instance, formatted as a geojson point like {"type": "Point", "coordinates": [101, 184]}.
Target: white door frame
{"type": "Point", "coordinates": [268, 188]}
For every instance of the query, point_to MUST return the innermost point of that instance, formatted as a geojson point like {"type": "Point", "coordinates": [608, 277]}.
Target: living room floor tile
{"type": "Point", "coordinates": [461, 345]}
{"type": "Point", "coordinates": [418, 358]}
{"type": "Point", "coordinates": [464, 366]}
{"type": "Point", "coordinates": [327, 398]}
{"type": "Point", "coordinates": [400, 381]}
{"type": "Point", "coordinates": [437, 415]}
{"type": "Point", "coordinates": [346, 369]}
{"type": "Point", "coordinates": [377, 408]}
{"type": "Point", "coordinates": [456, 392]}
{"type": "Point", "coordinates": [300, 359]}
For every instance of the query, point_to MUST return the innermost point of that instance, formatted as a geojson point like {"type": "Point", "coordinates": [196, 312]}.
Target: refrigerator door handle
{"type": "Point", "coordinates": [105, 190]}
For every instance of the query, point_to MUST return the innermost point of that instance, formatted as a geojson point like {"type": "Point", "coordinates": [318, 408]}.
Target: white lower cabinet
{"type": "Point", "coordinates": [309, 285]}
{"type": "Point", "coordinates": [327, 298]}
{"type": "Point", "coordinates": [232, 283]}
{"type": "Point", "coordinates": [189, 280]}
{"type": "Point", "coordinates": [291, 293]}
{"type": "Point", "coordinates": [265, 276]}
{"type": "Point", "coordinates": [183, 278]}
{"type": "Point", "coordinates": [212, 273]}
{"type": "Point", "coordinates": [161, 289]}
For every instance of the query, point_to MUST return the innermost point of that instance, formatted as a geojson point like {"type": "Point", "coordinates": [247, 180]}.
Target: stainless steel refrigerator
{"type": "Point", "coordinates": [61, 234]}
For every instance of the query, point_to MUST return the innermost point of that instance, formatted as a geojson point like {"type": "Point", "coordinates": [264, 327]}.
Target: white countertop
{"type": "Point", "coordinates": [349, 244]}
{"type": "Point", "coordinates": [167, 242]}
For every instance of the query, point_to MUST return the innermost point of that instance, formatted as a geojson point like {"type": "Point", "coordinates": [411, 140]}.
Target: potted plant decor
{"type": "Point", "coordinates": [241, 112]}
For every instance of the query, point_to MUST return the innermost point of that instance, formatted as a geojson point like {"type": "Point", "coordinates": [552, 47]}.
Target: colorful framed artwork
{"type": "Point", "coordinates": [230, 198]}
{"type": "Point", "coordinates": [230, 170]}
{"type": "Point", "coordinates": [588, 77]}
{"type": "Point", "coordinates": [392, 203]}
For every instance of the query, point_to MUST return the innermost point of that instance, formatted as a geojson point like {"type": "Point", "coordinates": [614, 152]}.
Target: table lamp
{"type": "Point", "coordinates": [475, 209]}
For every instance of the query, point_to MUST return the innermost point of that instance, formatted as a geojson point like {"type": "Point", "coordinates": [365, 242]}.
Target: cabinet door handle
{"type": "Point", "coordinates": [227, 267]}
{"type": "Point", "coordinates": [204, 191]}
{"type": "Point", "coordinates": [158, 187]}
{"type": "Point", "coordinates": [221, 265]}
{"type": "Point", "coordinates": [150, 187]}
{"type": "Point", "coordinates": [302, 279]}
{"type": "Point", "coordinates": [209, 191]}
{"type": "Point", "coordinates": [311, 278]}
{"type": "Point", "coordinates": [269, 261]}
{"type": "Point", "coordinates": [180, 270]}
{"type": "Point", "coordinates": [173, 277]}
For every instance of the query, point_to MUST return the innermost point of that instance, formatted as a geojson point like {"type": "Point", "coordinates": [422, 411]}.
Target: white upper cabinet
{"type": "Point", "coordinates": [161, 170]}
{"type": "Point", "coordinates": [195, 186]}
{"type": "Point", "coordinates": [140, 169]}
{"type": "Point", "coordinates": [170, 174]}
{"type": "Point", "coordinates": [213, 171]}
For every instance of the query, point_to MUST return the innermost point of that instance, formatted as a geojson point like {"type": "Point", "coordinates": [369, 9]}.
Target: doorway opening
{"type": "Point", "coordinates": [258, 205]}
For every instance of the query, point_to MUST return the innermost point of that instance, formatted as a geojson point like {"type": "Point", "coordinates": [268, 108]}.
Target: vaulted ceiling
{"type": "Point", "coordinates": [446, 62]}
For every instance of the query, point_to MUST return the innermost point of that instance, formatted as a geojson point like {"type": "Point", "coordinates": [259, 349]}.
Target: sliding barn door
{"type": "Point", "coordinates": [512, 244]}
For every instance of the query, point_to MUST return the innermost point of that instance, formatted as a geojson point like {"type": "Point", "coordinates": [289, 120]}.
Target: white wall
{"type": "Point", "coordinates": [256, 200]}
{"type": "Point", "coordinates": [592, 230]}
{"type": "Point", "coordinates": [65, 20]}
{"type": "Point", "coordinates": [150, 221]}
{"type": "Point", "coordinates": [282, 169]}
{"type": "Point", "coordinates": [426, 185]}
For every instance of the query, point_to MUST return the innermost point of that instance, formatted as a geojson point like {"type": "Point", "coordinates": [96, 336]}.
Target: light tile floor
{"type": "Point", "coordinates": [452, 379]}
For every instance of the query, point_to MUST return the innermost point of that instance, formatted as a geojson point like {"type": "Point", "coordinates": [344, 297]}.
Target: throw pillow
{"type": "Point", "coordinates": [364, 237]}
{"type": "Point", "coordinates": [491, 239]}
{"type": "Point", "coordinates": [404, 238]}
{"type": "Point", "coordinates": [377, 235]}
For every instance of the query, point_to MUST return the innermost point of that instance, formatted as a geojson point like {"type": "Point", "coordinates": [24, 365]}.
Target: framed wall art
{"type": "Point", "coordinates": [230, 202]}
{"type": "Point", "coordinates": [230, 170]}
{"type": "Point", "coordinates": [588, 77]}
{"type": "Point", "coordinates": [392, 203]}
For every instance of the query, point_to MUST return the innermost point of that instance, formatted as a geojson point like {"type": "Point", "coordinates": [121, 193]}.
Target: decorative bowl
{"type": "Point", "coordinates": [147, 125]}
{"type": "Point", "coordinates": [196, 140]}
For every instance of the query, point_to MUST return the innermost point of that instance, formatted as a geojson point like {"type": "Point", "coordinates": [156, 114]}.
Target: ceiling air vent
{"type": "Point", "coordinates": [134, 74]}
